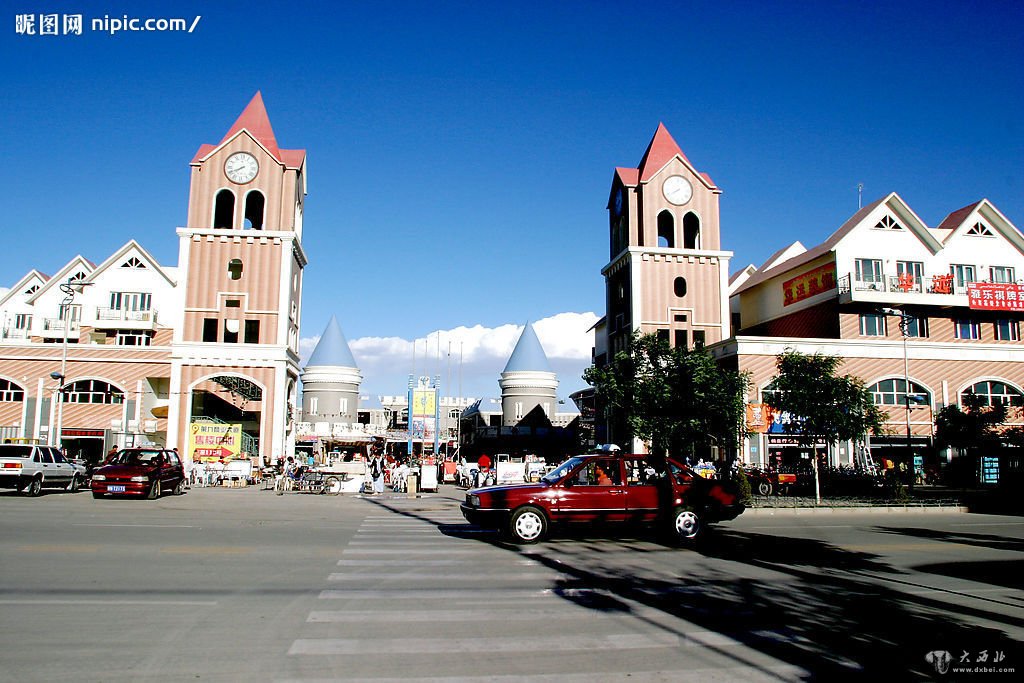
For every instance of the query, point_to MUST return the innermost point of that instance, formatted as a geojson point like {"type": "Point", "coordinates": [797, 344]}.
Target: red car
{"type": "Point", "coordinates": [606, 488]}
{"type": "Point", "coordinates": [145, 472]}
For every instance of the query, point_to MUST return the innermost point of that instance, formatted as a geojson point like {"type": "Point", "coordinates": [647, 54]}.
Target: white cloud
{"type": "Point", "coordinates": [387, 362]}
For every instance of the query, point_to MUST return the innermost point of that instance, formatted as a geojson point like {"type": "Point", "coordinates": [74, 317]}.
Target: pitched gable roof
{"type": "Point", "coordinates": [20, 285]}
{"type": "Point", "coordinates": [960, 220]}
{"type": "Point", "coordinates": [75, 264]}
{"type": "Point", "coordinates": [663, 149]}
{"type": "Point", "coordinates": [119, 256]}
{"type": "Point", "coordinates": [255, 121]}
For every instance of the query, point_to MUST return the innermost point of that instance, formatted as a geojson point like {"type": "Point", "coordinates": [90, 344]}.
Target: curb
{"type": "Point", "coordinates": [867, 509]}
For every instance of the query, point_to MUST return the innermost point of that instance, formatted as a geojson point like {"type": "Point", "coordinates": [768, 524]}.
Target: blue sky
{"type": "Point", "coordinates": [472, 144]}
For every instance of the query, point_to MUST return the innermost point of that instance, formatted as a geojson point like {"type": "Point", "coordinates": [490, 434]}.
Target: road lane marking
{"type": "Point", "coordinates": [175, 603]}
{"type": "Point", "coordinates": [143, 526]}
{"type": "Point", "coordinates": [52, 548]}
{"type": "Point", "coordinates": [206, 550]}
{"type": "Point", "coordinates": [532, 644]}
{"type": "Point", "coordinates": [433, 576]}
{"type": "Point", "coordinates": [389, 562]}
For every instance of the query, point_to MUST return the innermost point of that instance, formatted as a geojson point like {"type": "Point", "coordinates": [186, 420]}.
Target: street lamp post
{"type": "Point", "coordinates": [904, 323]}
{"type": "Point", "coordinates": [66, 304]}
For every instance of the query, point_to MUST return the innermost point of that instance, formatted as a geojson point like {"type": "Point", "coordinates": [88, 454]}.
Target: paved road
{"type": "Point", "coordinates": [228, 585]}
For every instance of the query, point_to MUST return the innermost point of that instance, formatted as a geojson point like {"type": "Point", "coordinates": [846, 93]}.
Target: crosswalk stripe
{"type": "Point", "coordinates": [532, 644]}
{"type": "Point", "coordinates": [439, 615]}
{"type": "Point", "coordinates": [393, 562]}
{"type": "Point", "coordinates": [434, 594]}
{"type": "Point", "coordinates": [423, 576]}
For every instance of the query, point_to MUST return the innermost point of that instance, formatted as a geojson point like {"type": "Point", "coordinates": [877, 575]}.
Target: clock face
{"type": "Point", "coordinates": [677, 190]}
{"type": "Point", "coordinates": [241, 167]}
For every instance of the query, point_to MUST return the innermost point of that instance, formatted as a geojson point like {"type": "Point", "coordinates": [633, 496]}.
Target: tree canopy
{"type": "Point", "coordinates": [820, 404]}
{"type": "Point", "coordinates": [674, 399]}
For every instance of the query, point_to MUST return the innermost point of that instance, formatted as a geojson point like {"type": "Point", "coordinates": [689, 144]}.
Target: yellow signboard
{"type": "Point", "coordinates": [424, 402]}
{"type": "Point", "coordinates": [209, 441]}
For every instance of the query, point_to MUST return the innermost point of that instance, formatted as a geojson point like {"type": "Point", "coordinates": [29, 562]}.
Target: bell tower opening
{"type": "Point", "coordinates": [666, 230]}
{"type": "Point", "coordinates": [254, 204]}
{"type": "Point", "coordinates": [224, 210]}
{"type": "Point", "coordinates": [691, 231]}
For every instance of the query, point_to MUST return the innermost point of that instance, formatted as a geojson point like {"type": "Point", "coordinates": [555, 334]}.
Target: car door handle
{"type": "Point", "coordinates": [616, 491]}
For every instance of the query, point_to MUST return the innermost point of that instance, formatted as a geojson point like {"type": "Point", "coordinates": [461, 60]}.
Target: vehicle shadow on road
{"type": "Point", "coordinates": [835, 613]}
{"type": "Point", "coordinates": [981, 540]}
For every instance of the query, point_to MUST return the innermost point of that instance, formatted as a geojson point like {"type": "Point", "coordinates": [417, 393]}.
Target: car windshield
{"type": "Point", "coordinates": [560, 471]}
{"type": "Point", "coordinates": [136, 458]}
{"type": "Point", "coordinates": [10, 451]}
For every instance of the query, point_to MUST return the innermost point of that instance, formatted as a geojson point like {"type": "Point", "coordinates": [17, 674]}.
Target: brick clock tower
{"type": "Point", "coordinates": [666, 273]}
{"type": "Point", "coordinates": [235, 356]}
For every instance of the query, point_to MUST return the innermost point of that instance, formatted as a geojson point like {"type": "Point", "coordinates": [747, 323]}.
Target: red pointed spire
{"type": "Point", "coordinates": [255, 120]}
{"type": "Point", "coordinates": [659, 152]}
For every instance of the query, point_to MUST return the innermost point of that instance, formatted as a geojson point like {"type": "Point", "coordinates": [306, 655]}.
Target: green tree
{"type": "Point", "coordinates": [675, 400]}
{"type": "Point", "coordinates": [821, 405]}
{"type": "Point", "coordinates": [973, 425]}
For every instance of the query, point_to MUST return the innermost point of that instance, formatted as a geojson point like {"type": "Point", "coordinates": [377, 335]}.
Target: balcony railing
{"type": "Point", "coordinates": [945, 284]}
{"type": "Point", "coordinates": [120, 314]}
{"type": "Point", "coordinates": [58, 324]}
{"type": "Point", "coordinates": [14, 334]}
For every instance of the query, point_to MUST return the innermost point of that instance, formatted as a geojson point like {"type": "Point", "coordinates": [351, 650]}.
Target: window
{"type": "Point", "coordinates": [254, 204]}
{"type": "Point", "coordinates": [72, 312]}
{"type": "Point", "coordinates": [893, 392]}
{"type": "Point", "coordinates": [343, 406]}
{"type": "Point", "coordinates": [909, 275]}
{"type": "Point", "coordinates": [131, 301]}
{"type": "Point", "coordinates": [231, 328]}
{"type": "Point", "coordinates": [22, 321]}
{"type": "Point", "coordinates": [252, 331]}
{"type": "Point", "coordinates": [32, 290]}
{"type": "Point", "coordinates": [915, 326]}
{"type": "Point", "coordinates": [679, 287]}
{"type": "Point", "coordinates": [10, 392]}
{"type": "Point", "coordinates": [224, 210]}
{"type": "Point", "coordinates": [993, 392]}
{"type": "Point", "coordinates": [313, 405]}
{"type": "Point", "coordinates": [134, 263]}
{"type": "Point", "coordinates": [666, 230]}
{"type": "Point", "coordinates": [963, 274]}
{"type": "Point", "coordinates": [232, 303]}
{"type": "Point", "coordinates": [888, 223]}
{"type": "Point", "coordinates": [1007, 330]}
{"type": "Point", "coordinates": [1000, 274]}
{"type": "Point", "coordinates": [663, 335]}
{"type": "Point", "coordinates": [966, 329]}
{"type": "Point", "coordinates": [691, 231]}
{"type": "Point", "coordinates": [133, 338]}
{"type": "Point", "coordinates": [519, 410]}
{"type": "Point", "coordinates": [210, 329]}
{"type": "Point", "coordinates": [599, 472]}
{"type": "Point", "coordinates": [92, 391]}
{"type": "Point", "coordinates": [979, 229]}
{"type": "Point", "coordinates": [235, 269]}
{"type": "Point", "coordinates": [681, 340]}
{"type": "Point", "coordinates": [698, 339]}
{"type": "Point", "coordinates": [868, 270]}
{"type": "Point", "coordinates": [872, 325]}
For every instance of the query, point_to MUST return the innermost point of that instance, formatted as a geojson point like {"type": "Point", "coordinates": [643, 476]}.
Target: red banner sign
{"type": "Point", "coordinates": [995, 296]}
{"type": "Point", "coordinates": [806, 285]}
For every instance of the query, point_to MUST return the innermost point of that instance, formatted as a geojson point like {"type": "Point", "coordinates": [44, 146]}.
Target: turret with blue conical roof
{"type": "Point", "coordinates": [331, 379]}
{"type": "Point", "coordinates": [528, 384]}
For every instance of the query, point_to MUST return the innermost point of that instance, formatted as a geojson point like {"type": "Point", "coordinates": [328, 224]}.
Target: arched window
{"type": "Point", "coordinates": [666, 230]}
{"type": "Point", "coordinates": [92, 391]}
{"type": "Point", "coordinates": [993, 391]}
{"type": "Point", "coordinates": [235, 268]}
{"type": "Point", "coordinates": [893, 392]}
{"type": "Point", "coordinates": [691, 231]}
{"type": "Point", "coordinates": [10, 392]}
{"type": "Point", "coordinates": [254, 204]}
{"type": "Point", "coordinates": [224, 210]}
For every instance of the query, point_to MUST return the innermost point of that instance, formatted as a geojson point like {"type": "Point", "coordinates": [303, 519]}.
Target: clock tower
{"type": "Point", "coordinates": [240, 260]}
{"type": "Point", "coordinates": [666, 273]}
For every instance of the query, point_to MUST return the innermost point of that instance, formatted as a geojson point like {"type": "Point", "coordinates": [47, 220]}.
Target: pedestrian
{"type": "Point", "coordinates": [377, 474]}
{"type": "Point", "coordinates": [110, 454]}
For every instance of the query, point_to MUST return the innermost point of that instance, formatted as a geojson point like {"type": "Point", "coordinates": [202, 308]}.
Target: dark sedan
{"type": "Point", "coordinates": [140, 472]}
{"type": "Point", "coordinates": [606, 489]}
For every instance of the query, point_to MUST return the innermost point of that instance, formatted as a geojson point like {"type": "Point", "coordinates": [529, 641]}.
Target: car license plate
{"type": "Point", "coordinates": [115, 488]}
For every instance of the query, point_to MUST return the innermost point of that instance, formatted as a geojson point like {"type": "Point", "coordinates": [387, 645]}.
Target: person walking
{"type": "Point", "coordinates": [377, 474]}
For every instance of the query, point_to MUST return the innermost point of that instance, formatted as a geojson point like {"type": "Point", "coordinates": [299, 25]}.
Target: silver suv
{"type": "Point", "coordinates": [30, 467]}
